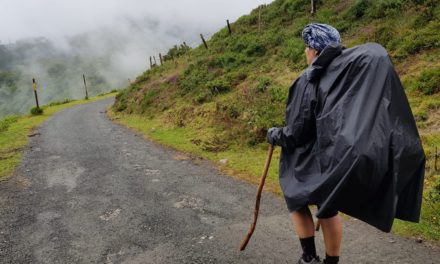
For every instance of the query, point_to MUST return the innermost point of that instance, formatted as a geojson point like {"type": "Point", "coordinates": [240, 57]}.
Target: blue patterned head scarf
{"type": "Point", "coordinates": [318, 36]}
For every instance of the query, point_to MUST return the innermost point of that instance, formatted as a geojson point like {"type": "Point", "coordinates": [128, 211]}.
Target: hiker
{"type": "Point", "coordinates": [350, 143]}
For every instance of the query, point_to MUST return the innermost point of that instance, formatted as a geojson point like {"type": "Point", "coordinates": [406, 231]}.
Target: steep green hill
{"type": "Point", "coordinates": [219, 102]}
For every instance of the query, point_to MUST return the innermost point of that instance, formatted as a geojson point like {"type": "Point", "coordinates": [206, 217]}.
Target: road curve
{"type": "Point", "coordinates": [90, 191]}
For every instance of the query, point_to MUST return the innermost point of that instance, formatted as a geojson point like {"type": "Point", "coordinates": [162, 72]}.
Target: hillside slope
{"type": "Point", "coordinates": [219, 102]}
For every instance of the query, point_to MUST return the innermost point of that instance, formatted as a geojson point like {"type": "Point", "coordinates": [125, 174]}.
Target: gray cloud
{"type": "Point", "coordinates": [56, 19]}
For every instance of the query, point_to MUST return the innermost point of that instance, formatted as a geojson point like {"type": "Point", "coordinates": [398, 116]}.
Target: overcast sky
{"type": "Point", "coordinates": [56, 19]}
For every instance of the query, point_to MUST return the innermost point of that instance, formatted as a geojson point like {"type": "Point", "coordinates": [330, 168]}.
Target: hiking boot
{"type": "Point", "coordinates": [313, 261]}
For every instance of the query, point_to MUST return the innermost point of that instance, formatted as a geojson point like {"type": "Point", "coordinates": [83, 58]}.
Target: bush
{"type": "Point", "coordinates": [218, 86]}
{"type": "Point", "coordinates": [203, 96]}
{"type": "Point", "coordinates": [424, 38]}
{"type": "Point", "coordinates": [148, 99]}
{"type": "Point", "coordinates": [358, 9]}
{"type": "Point", "coordinates": [383, 34]}
{"type": "Point", "coordinates": [293, 7]}
{"type": "Point", "coordinates": [382, 8]}
{"type": "Point", "coordinates": [195, 77]}
{"type": "Point", "coordinates": [36, 111]}
{"type": "Point", "coordinates": [278, 93]}
{"type": "Point", "coordinates": [429, 81]}
{"type": "Point", "coordinates": [176, 51]}
{"type": "Point", "coordinates": [434, 194]}
{"type": "Point", "coordinates": [228, 61]}
{"type": "Point", "coordinates": [250, 45]}
{"type": "Point", "coordinates": [263, 84]}
{"type": "Point", "coordinates": [255, 49]}
{"type": "Point", "coordinates": [293, 50]}
{"type": "Point", "coordinates": [236, 77]}
{"type": "Point", "coordinates": [233, 111]}
{"type": "Point", "coordinates": [266, 115]}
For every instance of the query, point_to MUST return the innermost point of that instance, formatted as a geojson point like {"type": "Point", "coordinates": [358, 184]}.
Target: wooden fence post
{"type": "Point", "coordinates": [229, 27]}
{"type": "Point", "coordinates": [151, 62]}
{"type": "Point", "coordinates": [259, 18]}
{"type": "Point", "coordinates": [204, 42]}
{"type": "Point", "coordinates": [155, 62]}
{"type": "Point", "coordinates": [34, 86]}
{"type": "Point", "coordinates": [313, 7]}
{"type": "Point", "coordinates": [85, 87]}
{"type": "Point", "coordinates": [161, 60]}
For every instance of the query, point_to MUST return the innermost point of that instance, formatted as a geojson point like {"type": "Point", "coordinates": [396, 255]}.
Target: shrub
{"type": "Point", "coordinates": [434, 194]}
{"type": "Point", "coordinates": [250, 45]}
{"type": "Point", "coordinates": [176, 51]}
{"type": "Point", "coordinates": [278, 93]}
{"type": "Point", "coordinates": [228, 61]}
{"type": "Point", "coordinates": [383, 34]}
{"type": "Point", "coordinates": [293, 7]}
{"type": "Point", "coordinates": [203, 96]}
{"type": "Point", "coordinates": [429, 81]}
{"type": "Point", "coordinates": [195, 77]}
{"type": "Point", "coordinates": [358, 9]}
{"type": "Point", "coordinates": [120, 106]}
{"type": "Point", "coordinates": [255, 49]}
{"type": "Point", "coordinates": [233, 111]}
{"type": "Point", "coordinates": [293, 50]}
{"type": "Point", "coordinates": [416, 40]}
{"type": "Point", "coordinates": [36, 111]}
{"type": "Point", "coordinates": [266, 115]}
{"type": "Point", "coordinates": [382, 8]}
{"type": "Point", "coordinates": [263, 84]}
{"type": "Point", "coordinates": [236, 77]}
{"type": "Point", "coordinates": [148, 99]}
{"type": "Point", "coordinates": [217, 86]}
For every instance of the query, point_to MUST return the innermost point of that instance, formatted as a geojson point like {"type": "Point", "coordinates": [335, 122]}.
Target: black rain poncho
{"type": "Point", "coordinates": [350, 142]}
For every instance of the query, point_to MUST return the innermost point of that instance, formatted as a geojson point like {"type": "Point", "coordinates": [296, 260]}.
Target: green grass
{"type": "Point", "coordinates": [14, 133]}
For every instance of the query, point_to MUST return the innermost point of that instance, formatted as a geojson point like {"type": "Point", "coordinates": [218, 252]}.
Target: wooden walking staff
{"type": "Point", "coordinates": [257, 202]}
{"type": "Point", "coordinates": [34, 86]}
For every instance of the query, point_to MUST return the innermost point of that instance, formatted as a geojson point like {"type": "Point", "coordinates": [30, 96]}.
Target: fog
{"type": "Point", "coordinates": [107, 40]}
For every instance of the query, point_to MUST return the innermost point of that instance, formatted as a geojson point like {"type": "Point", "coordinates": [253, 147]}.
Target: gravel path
{"type": "Point", "coordinates": [90, 191]}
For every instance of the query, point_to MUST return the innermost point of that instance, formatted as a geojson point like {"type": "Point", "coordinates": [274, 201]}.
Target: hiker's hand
{"type": "Point", "coordinates": [269, 135]}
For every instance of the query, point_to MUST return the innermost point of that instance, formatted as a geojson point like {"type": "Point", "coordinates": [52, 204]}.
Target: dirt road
{"type": "Point", "coordinates": [90, 191]}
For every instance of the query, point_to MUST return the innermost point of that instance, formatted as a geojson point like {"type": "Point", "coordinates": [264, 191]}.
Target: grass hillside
{"type": "Point", "coordinates": [219, 102]}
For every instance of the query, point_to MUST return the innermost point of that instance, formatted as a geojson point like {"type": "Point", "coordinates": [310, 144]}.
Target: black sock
{"type": "Point", "coordinates": [308, 247]}
{"type": "Point", "coordinates": [331, 259]}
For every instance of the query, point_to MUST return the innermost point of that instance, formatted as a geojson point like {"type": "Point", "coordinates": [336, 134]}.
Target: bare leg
{"type": "Point", "coordinates": [332, 230]}
{"type": "Point", "coordinates": [303, 223]}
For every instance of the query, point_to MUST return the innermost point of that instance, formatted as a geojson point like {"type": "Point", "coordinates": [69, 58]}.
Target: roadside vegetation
{"type": "Point", "coordinates": [16, 130]}
{"type": "Point", "coordinates": [218, 103]}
